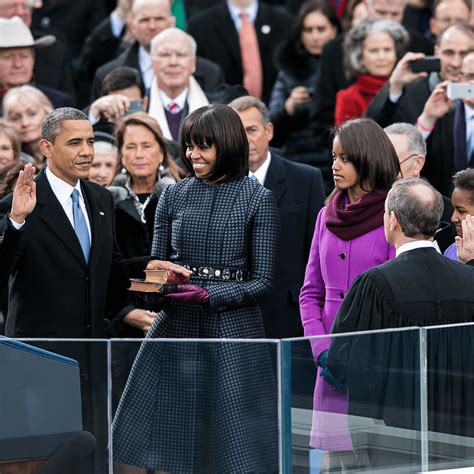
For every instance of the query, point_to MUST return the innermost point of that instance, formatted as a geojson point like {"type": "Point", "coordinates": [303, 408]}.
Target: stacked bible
{"type": "Point", "coordinates": [158, 281]}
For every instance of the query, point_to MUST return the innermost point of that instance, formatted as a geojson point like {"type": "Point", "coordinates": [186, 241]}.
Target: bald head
{"type": "Point", "coordinates": [150, 17]}
{"type": "Point", "coordinates": [417, 208]}
{"type": "Point", "coordinates": [171, 37]}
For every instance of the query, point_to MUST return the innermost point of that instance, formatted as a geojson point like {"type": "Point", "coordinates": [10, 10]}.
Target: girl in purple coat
{"type": "Point", "coordinates": [348, 240]}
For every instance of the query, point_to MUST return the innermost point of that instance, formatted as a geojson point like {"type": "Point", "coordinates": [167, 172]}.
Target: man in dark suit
{"type": "Point", "coordinates": [59, 276]}
{"type": "Point", "coordinates": [332, 79]}
{"type": "Point", "coordinates": [150, 17]}
{"type": "Point", "coordinates": [403, 97]}
{"type": "Point", "coordinates": [216, 31]}
{"type": "Point", "coordinates": [299, 193]}
{"type": "Point", "coordinates": [410, 147]}
{"type": "Point", "coordinates": [420, 287]}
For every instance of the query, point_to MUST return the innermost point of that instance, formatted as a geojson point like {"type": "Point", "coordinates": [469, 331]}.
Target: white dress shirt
{"type": "Point", "coordinates": [180, 100]}
{"type": "Point", "coordinates": [250, 11]}
{"type": "Point", "coordinates": [417, 244]}
{"type": "Point", "coordinates": [144, 60]}
{"type": "Point", "coordinates": [261, 173]}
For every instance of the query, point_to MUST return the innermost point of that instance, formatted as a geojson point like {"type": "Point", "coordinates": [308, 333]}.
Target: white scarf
{"type": "Point", "coordinates": [195, 99]}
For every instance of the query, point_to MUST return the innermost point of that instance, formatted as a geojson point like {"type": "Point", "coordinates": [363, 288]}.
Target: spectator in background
{"type": "Point", "coordinates": [241, 36]}
{"type": "Point", "coordinates": [105, 164]}
{"type": "Point", "coordinates": [356, 12]}
{"type": "Point", "coordinates": [73, 20]}
{"type": "Point", "coordinates": [148, 18]}
{"type": "Point", "coordinates": [17, 59]}
{"type": "Point", "coordinates": [411, 150]}
{"type": "Point", "coordinates": [332, 79]}
{"type": "Point", "coordinates": [404, 96]}
{"type": "Point", "coordinates": [122, 88]}
{"type": "Point", "coordinates": [26, 107]}
{"type": "Point", "coordinates": [9, 144]}
{"type": "Point", "coordinates": [462, 200]}
{"type": "Point", "coordinates": [174, 91]}
{"type": "Point", "coordinates": [445, 14]}
{"type": "Point", "coordinates": [148, 169]}
{"type": "Point", "coordinates": [297, 61]}
{"type": "Point", "coordinates": [348, 240]}
{"type": "Point", "coordinates": [371, 51]}
{"type": "Point", "coordinates": [52, 66]}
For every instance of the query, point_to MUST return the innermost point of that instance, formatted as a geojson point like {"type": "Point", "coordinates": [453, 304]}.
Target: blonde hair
{"type": "Point", "coordinates": [24, 94]}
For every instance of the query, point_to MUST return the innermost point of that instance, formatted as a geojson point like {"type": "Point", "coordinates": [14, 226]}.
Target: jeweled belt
{"type": "Point", "coordinates": [218, 273]}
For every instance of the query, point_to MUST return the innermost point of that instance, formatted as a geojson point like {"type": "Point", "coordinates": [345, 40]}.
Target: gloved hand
{"type": "Point", "coordinates": [323, 358]}
{"type": "Point", "coordinates": [329, 378]}
{"type": "Point", "coordinates": [188, 294]}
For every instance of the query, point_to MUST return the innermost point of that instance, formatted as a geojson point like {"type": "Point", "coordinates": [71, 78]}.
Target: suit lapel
{"type": "Point", "coordinates": [227, 32]}
{"type": "Point", "coordinates": [275, 179]}
{"type": "Point", "coordinates": [53, 215]}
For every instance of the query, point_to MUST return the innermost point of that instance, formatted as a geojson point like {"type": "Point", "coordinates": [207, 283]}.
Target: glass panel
{"type": "Point", "coordinates": [195, 406]}
{"type": "Point", "coordinates": [358, 411]}
{"type": "Point", "coordinates": [451, 396]}
{"type": "Point", "coordinates": [52, 392]}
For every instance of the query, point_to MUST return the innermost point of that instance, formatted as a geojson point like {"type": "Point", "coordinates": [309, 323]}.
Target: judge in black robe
{"type": "Point", "coordinates": [417, 289]}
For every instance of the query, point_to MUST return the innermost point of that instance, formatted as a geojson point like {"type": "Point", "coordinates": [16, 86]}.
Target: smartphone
{"type": "Point", "coordinates": [135, 106]}
{"type": "Point", "coordinates": [460, 90]}
{"type": "Point", "coordinates": [428, 64]}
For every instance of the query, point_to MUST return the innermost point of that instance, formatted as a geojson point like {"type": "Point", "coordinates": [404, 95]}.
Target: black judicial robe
{"type": "Point", "coordinates": [419, 288]}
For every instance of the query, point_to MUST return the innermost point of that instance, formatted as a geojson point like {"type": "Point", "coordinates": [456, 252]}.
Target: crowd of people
{"type": "Point", "coordinates": [262, 150]}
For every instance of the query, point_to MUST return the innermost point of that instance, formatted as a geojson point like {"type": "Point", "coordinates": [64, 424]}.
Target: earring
{"type": "Point", "coordinates": [161, 168]}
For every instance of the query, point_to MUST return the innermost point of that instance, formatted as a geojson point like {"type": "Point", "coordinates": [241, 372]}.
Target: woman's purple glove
{"type": "Point", "coordinates": [188, 294]}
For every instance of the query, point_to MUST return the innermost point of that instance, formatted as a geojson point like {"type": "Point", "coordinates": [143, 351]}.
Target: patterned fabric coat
{"type": "Point", "coordinates": [207, 407]}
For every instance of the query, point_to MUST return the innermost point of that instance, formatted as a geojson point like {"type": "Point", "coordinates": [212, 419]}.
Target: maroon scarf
{"type": "Point", "coordinates": [349, 221]}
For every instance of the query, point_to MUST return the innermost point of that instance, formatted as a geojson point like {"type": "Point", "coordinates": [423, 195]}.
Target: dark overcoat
{"type": "Point", "coordinates": [207, 407]}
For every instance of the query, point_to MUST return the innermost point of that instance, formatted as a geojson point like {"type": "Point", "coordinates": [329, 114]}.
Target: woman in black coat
{"type": "Point", "coordinates": [200, 406]}
{"type": "Point", "coordinates": [147, 170]}
{"type": "Point", "coordinates": [298, 63]}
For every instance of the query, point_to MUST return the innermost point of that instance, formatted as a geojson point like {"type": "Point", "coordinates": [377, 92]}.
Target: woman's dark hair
{"type": "Point", "coordinates": [464, 180]}
{"type": "Point", "coordinates": [307, 8]}
{"type": "Point", "coordinates": [369, 149]}
{"type": "Point", "coordinates": [217, 125]}
{"type": "Point", "coordinates": [144, 120]}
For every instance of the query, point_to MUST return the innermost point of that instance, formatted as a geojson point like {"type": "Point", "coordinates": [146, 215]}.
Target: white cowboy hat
{"type": "Point", "coordinates": [15, 34]}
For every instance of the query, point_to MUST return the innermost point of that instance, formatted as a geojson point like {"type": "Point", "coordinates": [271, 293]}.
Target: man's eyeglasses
{"type": "Point", "coordinates": [407, 158]}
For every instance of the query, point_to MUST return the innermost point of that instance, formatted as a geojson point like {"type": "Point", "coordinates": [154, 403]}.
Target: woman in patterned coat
{"type": "Point", "coordinates": [193, 406]}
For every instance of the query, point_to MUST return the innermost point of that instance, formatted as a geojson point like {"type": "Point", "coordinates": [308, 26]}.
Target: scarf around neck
{"type": "Point", "coordinates": [349, 221]}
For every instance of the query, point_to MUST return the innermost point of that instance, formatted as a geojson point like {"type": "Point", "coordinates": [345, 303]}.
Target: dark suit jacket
{"type": "Point", "coordinates": [73, 19]}
{"type": "Point", "coordinates": [299, 194]}
{"type": "Point", "coordinates": [218, 40]}
{"type": "Point", "coordinates": [53, 66]}
{"type": "Point", "coordinates": [53, 291]}
{"type": "Point", "coordinates": [418, 288]}
{"type": "Point", "coordinates": [208, 74]}
{"type": "Point", "coordinates": [332, 79]}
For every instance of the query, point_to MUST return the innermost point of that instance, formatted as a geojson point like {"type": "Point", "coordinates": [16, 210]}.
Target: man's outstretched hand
{"type": "Point", "coordinates": [465, 244]}
{"type": "Point", "coordinates": [24, 195]}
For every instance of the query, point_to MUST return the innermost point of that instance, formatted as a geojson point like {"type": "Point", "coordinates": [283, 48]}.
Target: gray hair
{"type": "Point", "coordinates": [53, 123]}
{"type": "Point", "coordinates": [460, 26]}
{"type": "Point", "coordinates": [417, 206]}
{"type": "Point", "coordinates": [101, 147]}
{"type": "Point", "coordinates": [416, 142]}
{"type": "Point", "coordinates": [354, 43]}
{"type": "Point", "coordinates": [247, 102]}
{"type": "Point", "coordinates": [168, 35]}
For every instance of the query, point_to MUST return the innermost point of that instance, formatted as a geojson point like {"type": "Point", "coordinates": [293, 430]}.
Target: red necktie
{"type": "Point", "coordinates": [251, 61]}
{"type": "Point", "coordinates": [173, 108]}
